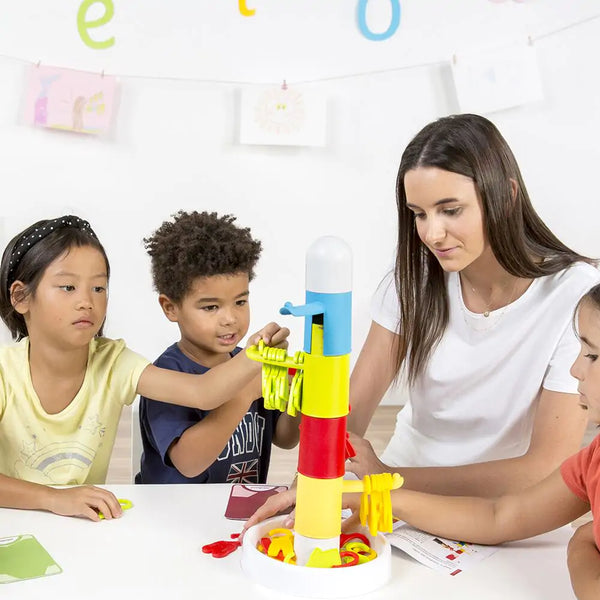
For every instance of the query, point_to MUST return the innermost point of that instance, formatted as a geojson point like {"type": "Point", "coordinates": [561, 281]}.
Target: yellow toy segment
{"type": "Point", "coordinates": [375, 503]}
{"type": "Point", "coordinates": [326, 386]}
{"type": "Point", "coordinates": [318, 507]}
{"type": "Point", "coordinates": [294, 404]}
{"type": "Point", "coordinates": [125, 505]}
{"type": "Point", "coordinates": [277, 392]}
{"type": "Point", "coordinates": [275, 387]}
{"type": "Point", "coordinates": [324, 559]}
{"type": "Point", "coordinates": [275, 356]}
{"type": "Point", "coordinates": [353, 486]}
{"type": "Point", "coordinates": [365, 553]}
{"type": "Point", "coordinates": [316, 340]}
{"type": "Point", "coordinates": [283, 543]}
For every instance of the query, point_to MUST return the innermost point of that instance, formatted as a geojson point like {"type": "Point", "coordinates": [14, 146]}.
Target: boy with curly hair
{"type": "Point", "coordinates": [202, 265]}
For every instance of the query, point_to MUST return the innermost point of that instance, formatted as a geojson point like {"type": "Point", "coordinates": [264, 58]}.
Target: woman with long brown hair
{"type": "Point", "coordinates": [476, 317]}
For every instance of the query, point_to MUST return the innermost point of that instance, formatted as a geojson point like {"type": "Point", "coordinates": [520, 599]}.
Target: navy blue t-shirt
{"type": "Point", "coordinates": [245, 458]}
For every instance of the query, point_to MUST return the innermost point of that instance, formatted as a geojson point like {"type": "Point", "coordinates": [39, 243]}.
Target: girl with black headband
{"type": "Point", "coordinates": [63, 385]}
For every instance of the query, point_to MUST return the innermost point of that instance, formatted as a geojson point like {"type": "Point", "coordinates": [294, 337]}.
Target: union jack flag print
{"type": "Point", "coordinates": [243, 472]}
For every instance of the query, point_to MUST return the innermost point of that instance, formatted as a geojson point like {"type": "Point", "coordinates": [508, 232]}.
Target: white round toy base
{"type": "Point", "coordinates": [313, 582]}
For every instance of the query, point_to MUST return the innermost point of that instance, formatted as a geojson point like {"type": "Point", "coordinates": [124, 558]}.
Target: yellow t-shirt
{"type": "Point", "coordinates": [73, 446]}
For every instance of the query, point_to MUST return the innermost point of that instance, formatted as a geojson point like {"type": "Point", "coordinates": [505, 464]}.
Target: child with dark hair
{"type": "Point", "coordinates": [202, 265]}
{"type": "Point", "coordinates": [63, 386]}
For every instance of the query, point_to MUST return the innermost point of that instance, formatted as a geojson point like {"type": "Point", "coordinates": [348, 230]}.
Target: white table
{"type": "Point", "coordinates": [154, 551]}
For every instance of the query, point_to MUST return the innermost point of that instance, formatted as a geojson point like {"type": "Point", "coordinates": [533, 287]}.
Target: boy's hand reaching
{"type": "Point", "coordinates": [272, 335]}
{"type": "Point", "coordinates": [84, 501]}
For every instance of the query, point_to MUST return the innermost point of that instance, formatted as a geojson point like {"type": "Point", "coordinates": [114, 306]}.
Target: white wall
{"type": "Point", "coordinates": [174, 144]}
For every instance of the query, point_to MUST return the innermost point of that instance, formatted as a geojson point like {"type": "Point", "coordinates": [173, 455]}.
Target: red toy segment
{"type": "Point", "coordinates": [349, 559]}
{"type": "Point", "coordinates": [322, 445]}
{"type": "Point", "coordinates": [346, 537]}
{"type": "Point", "coordinates": [221, 548]}
{"type": "Point", "coordinates": [266, 542]}
{"type": "Point", "coordinates": [352, 553]}
{"type": "Point", "coordinates": [349, 450]}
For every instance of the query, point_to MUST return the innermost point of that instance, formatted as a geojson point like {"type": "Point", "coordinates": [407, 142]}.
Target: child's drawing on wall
{"type": "Point", "coordinates": [282, 115]}
{"type": "Point", "coordinates": [70, 100]}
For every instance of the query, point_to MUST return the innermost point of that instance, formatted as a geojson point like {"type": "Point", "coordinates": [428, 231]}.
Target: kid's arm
{"type": "Point", "coordinates": [372, 375]}
{"type": "Point", "coordinates": [557, 433]}
{"type": "Point", "coordinates": [583, 560]}
{"type": "Point", "coordinates": [217, 386]}
{"type": "Point", "coordinates": [287, 433]}
{"type": "Point", "coordinates": [200, 445]}
{"type": "Point", "coordinates": [81, 501]}
{"type": "Point", "coordinates": [542, 507]}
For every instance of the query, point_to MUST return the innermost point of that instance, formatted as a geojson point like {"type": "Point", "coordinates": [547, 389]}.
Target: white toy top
{"type": "Point", "coordinates": [329, 266]}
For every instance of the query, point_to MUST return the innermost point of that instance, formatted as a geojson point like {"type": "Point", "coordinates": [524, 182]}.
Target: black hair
{"type": "Point", "coordinates": [33, 263]}
{"type": "Point", "coordinates": [199, 244]}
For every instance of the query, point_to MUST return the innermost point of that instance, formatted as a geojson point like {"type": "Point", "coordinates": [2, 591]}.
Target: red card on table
{"type": "Point", "coordinates": [245, 499]}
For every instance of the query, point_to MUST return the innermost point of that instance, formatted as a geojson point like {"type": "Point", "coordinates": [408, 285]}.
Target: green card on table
{"type": "Point", "coordinates": [23, 557]}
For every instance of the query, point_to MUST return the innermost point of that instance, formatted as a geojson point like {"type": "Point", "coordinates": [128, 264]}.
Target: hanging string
{"type": "Point", "coordinates": [357, 75]}
{"type": "Point", "coordinates": [573, 25]}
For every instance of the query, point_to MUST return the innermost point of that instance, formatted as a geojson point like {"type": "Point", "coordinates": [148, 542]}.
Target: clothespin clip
{"type": "Point", "coordinates": [530, 40]}
{"type": "Point", "coordinates": [454, 59]}
{"type": "Point", "coordinates": [102, 74]}
{"type": "Point", "coordinates": [284, 85]}
{"type": "Point", "coordinates": [38, 64]}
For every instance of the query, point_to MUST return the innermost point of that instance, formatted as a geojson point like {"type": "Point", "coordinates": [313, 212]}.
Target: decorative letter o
{"type": "Point", "coordinates": [378, 37]}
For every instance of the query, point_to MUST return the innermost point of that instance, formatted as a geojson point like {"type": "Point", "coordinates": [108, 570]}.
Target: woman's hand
{"type": "Point", "coordinates": [284, 500]}
{"type": "Point", "coordinates": [84, 501]}
{"type": "Point", "coordinates": [271, 507]}
{"type": "Point", "coordinates": [365, 462]}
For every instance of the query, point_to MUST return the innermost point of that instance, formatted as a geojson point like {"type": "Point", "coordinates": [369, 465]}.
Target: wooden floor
{"type": "Point", "coordinates": [283, 462]}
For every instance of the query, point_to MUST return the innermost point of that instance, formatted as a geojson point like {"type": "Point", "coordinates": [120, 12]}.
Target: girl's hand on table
{"type": "Point", "coordinates": [84, 501]}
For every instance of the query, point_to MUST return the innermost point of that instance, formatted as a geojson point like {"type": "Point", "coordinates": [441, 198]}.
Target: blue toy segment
{"type": "Point", "coordinates": [315, 308]}
{"type": "Point", "coordinates": [337, 322]}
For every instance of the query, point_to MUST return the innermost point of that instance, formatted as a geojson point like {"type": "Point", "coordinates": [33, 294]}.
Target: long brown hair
{"type": "Point", "coordinates": [472, 146]}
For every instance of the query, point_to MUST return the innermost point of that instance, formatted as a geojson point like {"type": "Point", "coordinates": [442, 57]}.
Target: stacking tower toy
{"type": "Point", "coordinates": [327, 340]}
{"type": "Point", "coordinates": [320, 391]}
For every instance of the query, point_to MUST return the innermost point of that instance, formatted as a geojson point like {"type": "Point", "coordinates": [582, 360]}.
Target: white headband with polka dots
{"type": "Point", "coordinates": [39, 233]}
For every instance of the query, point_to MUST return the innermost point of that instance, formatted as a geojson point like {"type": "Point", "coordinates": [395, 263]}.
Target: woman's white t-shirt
{"type": "Point", "coordinates": [477, 398]}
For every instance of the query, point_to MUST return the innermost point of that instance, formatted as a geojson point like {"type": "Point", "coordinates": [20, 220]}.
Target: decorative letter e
{"type": "Point", "coordinates": [83, 25]}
